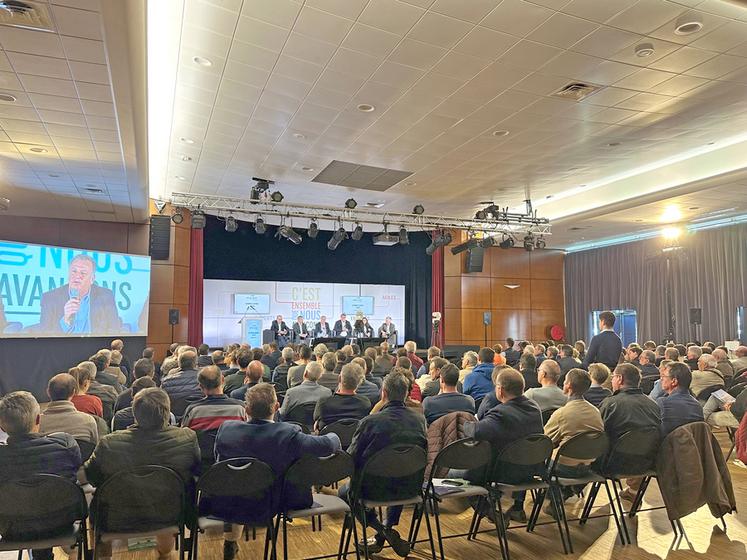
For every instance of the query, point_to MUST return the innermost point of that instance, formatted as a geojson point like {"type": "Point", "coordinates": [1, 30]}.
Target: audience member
{"type": "Point", "coordinates": [393, 424]}
{"type": "Point", "coordinates": [539, 356]}
{"type": "Point", "coordinates": [469, 361]}
{"type": "Point", "coordinates": [150, 354]}
{"type": "Point", "coordinates": [219, 360]}
{"type": "Point", "coordinates": [693, 355]}
{"type": "Point", "coordinates": [106, 393]}
{"type": "Point", "coordinates": [90, 404]}
{"type": "Point", "coordinates": [411, 348]}
{"type": "Point", "coordinates": [295, 372]}
{"type": "Point", "coordinates": [103, 375]}
{"type": "Point", "coordinates": [367, 388]}
{"type": "Point", "coordinates": [345, 403]}
{"type": "Point", "coordinates": [723, 364]}
{"type": "Point", "coordinates": [234, 380]}
{"type": "Point", "coordinates": [270, 355]}
{"type": "Point", "coordinates": [309, 391]}
{"type": "Point", "coordinates": [706, 376]}
{"type": "Point", "coordinates": [27, 453]}
{"type": "Point", "coordinates": [143, 368]}
{"type": "Point", "coordinates": [329, 378]}
{"type": "Point", "coordinates": [490, 400]}
{"type": "Point", "coordinates": [605, 347]}
{"type": "Point", "coordinates": [151, 441]}
{"type": "Point", "coordinates": [181, 385]}
{"type": "Point", "coordinates": [647, 361]}
{"type": "Point", "coordinates": [448, 399]}
{"type": "Point", "coordinates": [596, 393]}
{"type": "Point", "coordinates": [548, 396]}
{"type": "Point", "coordinates": [253, 376]}
{"type": "Point", "coordinates": [679, 407]}
{"type": "Point", "coordinates": [511, 354]}
{"type": "Point", "coordinates": [566, 362]}
{"type": "Point", "coordinates": [203, 359]}
{"type": "Point", "coordinates": [125, 418]}
{"type": "Point", "coordinates": [628, 408]}
{"type": "Point", "coordinates": [431, 385]}
{"type": "Point", "coordinates": [672, 354]}
{"type": "Point", "coordinates": [280, 373]}
{"type": "Point", "coordinates": [633, 355]}
{"type": "Point", "coordinates": [383, 363]}
{"type": "Point", "coordinates": [479, 383]}
{"type": "Point", "coordinates": [61, 414]}
{"type": "Point", "coordinates": [740, 363]}
{"type": "Point", "coordinates": [124, 362]}
{"type": "Point", "coordinates": [580, 347]}
{"type": "Point", "coordinates": [528, 370]}
{"type": "Point", "coordinates": [552, 353]}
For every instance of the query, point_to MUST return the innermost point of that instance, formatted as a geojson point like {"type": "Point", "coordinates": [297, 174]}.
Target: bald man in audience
{"type": "Point", "coordinates": [549, 395]}
{"type": "Point", "coordinates": [309, 391]}
{"type": "Point", "coordinates": [706, 376]}
{"type": "Point", "coordinates": [252, 377]}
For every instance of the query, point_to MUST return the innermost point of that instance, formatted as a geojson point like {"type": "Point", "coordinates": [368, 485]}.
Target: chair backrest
{"type": "Point", "coordinates": [706, 393]}
{"type": "Point", "coordinates": [145, 498]}
{"type": "Point", "coordinates": [633, 453]}
{"type": "Point", "coordinates": [319, 471]}
{"type": "Point", "coordinates": [28, 512]}
{"type": "Point", "coordinates": [304, 428]}
{"type": "Point", "coordinates": [344, 429]}
{"type": "Point", "coordinates": [647, 383]}
{"type": "Point", "coordinates": [86, 448]}
{"type": "Point", "coordinates": [585, 446]}
{"type": "Point", "coordinates": [530, 450]}
{"type": "Point", "coordinates": [242, 476]}
{"type": "Point", "coordinates": [302, 413]}
{"type": "Point", "coordinates": [463, 454]}
{"type": "Point", "coordinates": [396, 461]}
{"type": "Point", "coordinates": [546, 414]}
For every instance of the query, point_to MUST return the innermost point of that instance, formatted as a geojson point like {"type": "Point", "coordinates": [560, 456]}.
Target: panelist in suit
{"type": "Point", "coordinates": [280, 331]}
{"type": "Point", "coordinates": [389, 331]}
{"type": "Point", "coordinates": [322, 329]}
{"type": "Point", "coordinates": [363, 328]}
{"type": "Point", "coordinates": [301, 331]}
{"type": "Point", "coordinates": [343, 327]}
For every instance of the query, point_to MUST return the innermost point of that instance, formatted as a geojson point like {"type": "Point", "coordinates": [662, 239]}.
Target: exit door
{"type": "Point", "coordinates": [626, 324]}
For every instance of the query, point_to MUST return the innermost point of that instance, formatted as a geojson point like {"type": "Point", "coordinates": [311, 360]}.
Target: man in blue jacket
{"type": "Point", "coordinates": [606, 346]}
{"type": "Point", "coordinates": [276, 443]}
{"type": "Point", "coordinates": [679, 407]}
{"type": "Point", "coordinates": [480, 381]}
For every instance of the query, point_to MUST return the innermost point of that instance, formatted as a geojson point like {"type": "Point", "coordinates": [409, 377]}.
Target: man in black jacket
{"type": "Point", "coordinates": [181, 385]}
{"type": "Point", "coordinates": [566, 362]}
{"type": "Point", "coordinates": [393, 424]}
{"type": "Point", "coordinates": [628, 408]}
{"type": "Point", "coordinates": [606, 346]}
{"type": "Point", "coordinates": [28, 453]}
{"type": "Point", "coordinates": [512, 355]}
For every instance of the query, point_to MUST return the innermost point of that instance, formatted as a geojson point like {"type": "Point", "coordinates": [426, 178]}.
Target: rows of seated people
{"type": "Point", "coordinates": [197, 407]}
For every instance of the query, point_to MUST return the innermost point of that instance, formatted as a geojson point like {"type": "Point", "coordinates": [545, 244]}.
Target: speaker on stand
{"type": "Point", "coordinates": [173, 320]}
{"type": "Point", "coordinates": [696, 319]}
{"type": "Point", "coordinates": [487, 318]}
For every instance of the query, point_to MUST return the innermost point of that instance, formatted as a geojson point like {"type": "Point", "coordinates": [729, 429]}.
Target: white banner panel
{"type": "Point", "coordinates": [225, 302]}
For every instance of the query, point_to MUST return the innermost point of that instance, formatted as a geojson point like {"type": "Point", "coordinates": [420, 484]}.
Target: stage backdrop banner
{"type": "Point", "coordinates": [257, 303]}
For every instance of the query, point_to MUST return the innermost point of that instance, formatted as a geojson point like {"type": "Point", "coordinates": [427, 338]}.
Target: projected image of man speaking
{"type": "Point", "coordinates": [80, 306]}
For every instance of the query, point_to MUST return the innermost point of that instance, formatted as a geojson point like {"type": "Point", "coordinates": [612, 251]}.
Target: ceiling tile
{"type": "Point", "coordinates": [256, 32]}
{"type": "Point", "coordinates": [439, 30]}
{"type": "Point", "coordinates": [516, 17]}
{"type": "Point", "coordinates": [38, 65]}
{"type": "Point", "coordinates": [646, 15]}
{"type": "Point", "coordinates": [460, 66]}
{"type": "Point", "coordinates": [607, 72]}
{"type": "Point", "coordinates": [472, 11]}
{"type": "Point", "coordinates": [609, 96]}
{"type": "Point", "coordinates": [541, 84]}
{"type": "Point", "coordinates": [31, 42]}
{"type": "Point", "coordinates": [354, 63]}
{"type": "Point", "coordinates": [55, 103]}
{"type": "Point", "coordinates": [724, 38]}
{"type": "Point", "coordinates": [717, 67]}
{"type": "Point", "coordinates": [391, 15]}
{"type": "Point", "coordinates": [94, 92]}
{"type": "Point", "coordinates": [340, 81]}
{"type": "Point", "coordinates": [297, 69]}
{"type": "Point", "coordinates": [528, 55]}
{"type": "Point", "coordinates": [322, 25]}
{"type": "Point", "coordinates": [85, 50]}
{"type": "Point", "coordinates": [200, 13]}
{"type": "Point", "coordinates": [562, 30]}
{"type": "Point", "coordinates": [416, 54]}
{"type": "Point", "coordinates": [482, 42]}
{"type": "Point", "coordinates": [77, 23]}
{"type": "Point", "coordinates": [370, 40]}
{"type": "Point", "coordinates": [595, 10]}
{"type": "Point", "coordinates": [661, 49]}
{"type": "Point", "coordinates": [605, 42]}
{"type": "Point", "coordinates": [350, 9]}
{"type": "Point", "coordinates": [277, 12]}
{"type": "Point", "coordinates": [397, 75]}
{"type": "Point", "coordinates": [710, 24]}
{"type": "Point", "coordinates": [682, 59]}
{"type": "Point", "coordinates": [256, 57]}
{"type": "Point", "coordinates": [678, 85]}
{"type": "Point", "coordinates": [87, 72]}
{"type": "Point", "coordinates": [305, 48]}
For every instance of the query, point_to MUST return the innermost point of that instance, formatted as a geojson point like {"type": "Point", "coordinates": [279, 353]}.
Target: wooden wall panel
{"type": "Point", "coordinates": [452, 291]}
{"type": "Point", "coordinates": [181, 284]}
{"type": "Point", "coordinates": [452, 263]}
{"type": "Point", "coordinates": [512, 263]}
{"type": "Point", "coordinates": [507, 298]}
{"type": "Point", "coordinates": [515, 323]}
{"type": "Point", "coordinates": [452, 321]}
{"type": "Point", "coordinates": [181, 235]}
{"type": "Point", "coordinates": [161, 283]}
{"type": "Point", "coordinates": [475, 293]}
{"type": "Point", "coordinates": [159, 330]}
{"type": "Point", "coordinates": [472, 327]}
{"type": "Point", "coordinates": [544, 318]}
{"type": "Point", "coordinates": [547, 264]}
{"type": "Point", "coordinates": [547, 294]}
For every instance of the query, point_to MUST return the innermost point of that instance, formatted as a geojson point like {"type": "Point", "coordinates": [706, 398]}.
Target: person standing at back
{"type": "Point", "coordinates": [606, 346]}
{"type": "Point", "coordinates": [512, 355]}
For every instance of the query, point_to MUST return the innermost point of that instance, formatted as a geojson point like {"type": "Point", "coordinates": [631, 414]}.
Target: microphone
{"type": "Point", "coordinates": [74, 294]}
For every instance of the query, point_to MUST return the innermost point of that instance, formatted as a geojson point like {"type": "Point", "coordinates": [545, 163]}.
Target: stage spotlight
{"type": "Point", "coordinates": [350, 203]}
{"type": "Point", "coordinates": [177, 217]}
{"type": "Point", "coordinates": [541, 243]}
{"type": "Point", "coordinates": [462, 247]}
{"type": "Point", "coordinates": [198, 219]}
{"type": "Point", "coordinates": [290, 234]}
{"type": "Point", "coordinates": [313, 230]}
{"type": "Point", "coordinates": [418, 209]}
{"type": "Point", "coordinates": [259, 226]}
{"type": "Point", "coordinates": [481, 215]}
{"type": "Point", "coordinates": [441, 239]}
{"type": "Point", "coordinates": [277, 196]}
{"type": "Point", "coordinates": [488, 241]}
{"type": "Point", "coordinates": [337, 238]}
{"type": "Point", "coordinates": [357, 234]}
{"type": "Point", "coordinates": [529, 242]}
{"type": "Point", "coordinates": [404, 239]}
{"type": "Point", "coordinates": [231, 224]}
{"type": "Point", "coordinates": [507, 242]}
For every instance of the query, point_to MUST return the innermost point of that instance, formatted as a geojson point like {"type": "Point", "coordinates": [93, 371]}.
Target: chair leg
{"type": "Point", "coordinates": [267, 545]}
{"type": "Point", "coordinates": [556, 501]}
{"type": "Point", "coordinates": [471, 532]}
{"type": "Point", "coordinates": [365, 531]}
{"type": "Point", "coordinates": [354, 528]}
{"type": "Point", "coordinates": [638, 500]}
{"type": "Point", "coordinates": [494, 502]}
{"type": "Point", "coordinates": [285, 537]}
{"type": "Point", "coordinates": [430, 531]}
{"type": "Point", "coordinates": [616, 506]}
{"type": "Point", "coordinates": [437, 521]}
{"type": "Point", "coordinates": [590, 499]}
{"type": "Point", "coordinates": [20, 554]}
{"type": "Point", "coordinates": [195, 534]}
{"type": "Point", "coordinates": [417, 518]}
{"type": "Point", "coordinates": [536, 509]}
{"type": "Point", "coordinates": [342, 539]}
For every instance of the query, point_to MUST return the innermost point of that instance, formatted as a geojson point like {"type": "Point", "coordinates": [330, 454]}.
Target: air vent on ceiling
{"type": "Point", "coordinates": [576, 91]}
{"type": "Point", "coordinates": [366, 177]}
{"type": "Point", "coordinates": [29, 15]}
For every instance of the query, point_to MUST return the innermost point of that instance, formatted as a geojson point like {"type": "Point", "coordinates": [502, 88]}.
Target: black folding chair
{"type": "Point", "coordinates": [633, 455]}
{"type": "Point", "coordinates": [144, 501]}
{"type": "Point", "coordinates": [519, 467]}
{"type": "Point", "coordinates": [703, 395]}
{"type": "Point", "coordinates": [344, 429]}
{"type": "Point", "coordinates": [30, 519]}
{"type": "Point", "coordinates": [546, 414]}
{"type": "Point", "coordinates": [312, 471]}
{"type": "Point", "coordinates": [238, 491]}
{"type": "Point", "coordinates": [302, 414]}
{"type": "Point", "coordinates": [398, 464]}
{"type": "Point", "coordinates": [586, 446]}
{"type": "Point", "coordinates": [86, 448]}
{"type": "Point", "coordinates": [464, 454]}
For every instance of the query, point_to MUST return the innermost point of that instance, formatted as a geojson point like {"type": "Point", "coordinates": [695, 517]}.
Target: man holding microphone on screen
{"type": "Point", "coordinates": [80, 307]}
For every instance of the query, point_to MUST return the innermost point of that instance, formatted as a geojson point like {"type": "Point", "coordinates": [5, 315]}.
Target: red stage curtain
{"type": "Point", "coordinates": [194, 326]}
{"type": "Point", "coordinates": [437, 292]}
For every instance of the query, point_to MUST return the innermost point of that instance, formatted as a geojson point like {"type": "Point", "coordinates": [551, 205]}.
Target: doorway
{"type": "Point", "coordinates": [626, 324]}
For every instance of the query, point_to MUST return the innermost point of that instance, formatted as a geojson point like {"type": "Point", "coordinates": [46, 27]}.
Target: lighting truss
{"type": "Point", "coordinates": [505, 222]}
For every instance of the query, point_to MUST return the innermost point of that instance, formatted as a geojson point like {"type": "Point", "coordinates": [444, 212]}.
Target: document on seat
{"type": "Point", "coordinates": [723, 396]}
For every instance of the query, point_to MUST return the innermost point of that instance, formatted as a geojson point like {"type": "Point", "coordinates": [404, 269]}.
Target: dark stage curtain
{"type": "Point", "coordinates": [710, 273]}
{"type": "Point", "coordinates": [437, 273]}
{"type": "Point", "coordinates": [244, 255]}
{"type": "Point", "coordinates": [194, 325]}
{"type": "Point", "coordinates": [28, 363]}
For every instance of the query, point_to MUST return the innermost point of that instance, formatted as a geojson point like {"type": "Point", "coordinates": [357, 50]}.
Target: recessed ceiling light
{"type": "Point", "coordinates": [374, 204]}
{"type": "Point", "coordinates": [613, 144]}
{"type": "Point", "coordinates": [38, 150]}
{"type": "Point", "coordinates": [694, 208]}
{"type": "Point", "coordinates": [186, 140]}
{"type": "Point", "coordinates": [180, 178]}
{"type": "Point", "coordinates": [711, 143]}
{"type": "Point", "coordinates": [688, 24]}
{"type": "Point", "coordinates": [54, 175]}
{"type": "Point", "coordinates": [366, 108]}
{"type": "Point", "coordinates": [185, 158]}
{"type": "Point", "coordinates": [671, 214]}
{"type": "Point", "coordinates": [202, 61]}
{"type": "Point", "coordinates": [410, 183]}
{"type": "Point", "coordinates": [499, 133]}
{"type": "Point", "coordinates": [548, 196]}
{"type": "Point", "coordinates": [299, 136]}
{"type": "Point", "coordinates": [644, 50]}
{"type": "Point", "coordinates": [7, 97]}
{"type": "Point", "coordinates": [94, 190]}
{"type": "Point", "coordinates": [307, 168]}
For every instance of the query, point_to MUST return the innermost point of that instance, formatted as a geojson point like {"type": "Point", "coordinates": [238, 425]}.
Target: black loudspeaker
{"type": "Point", "coordinates": [487, 318]}
{"type": "Point", "coordinates": [160, 237]}
{"type": "Point", "coordinates": [696, 315]}
{"type": "Point", "coordinates": [173, 316]}
{"type": "Point", "coordinates": [474, 259]}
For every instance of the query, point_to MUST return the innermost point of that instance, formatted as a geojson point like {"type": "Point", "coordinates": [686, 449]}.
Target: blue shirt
{"type": "Point", "coordinates": [678, 409]}
{"type": "Point", "coordinates": [81, 320]}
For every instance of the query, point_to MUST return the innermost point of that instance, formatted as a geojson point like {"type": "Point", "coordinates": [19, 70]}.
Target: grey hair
{"type": "Point", "coordinates": [351, 376]}
{"type": "Point", "coordinates": [396, 386]}
{"type": "Point", "coordinates": [708, 360]}
{"type": "Point", "coordinates": [18, 412]}
{"type": "Point", "coordinates": [151, 408]}
{"type": "Point", "coordinates": [90, 367]}
{"type": "Point", "coordinates": [471, 357]}
{"type": "Point", "coordinates": [313, 371]}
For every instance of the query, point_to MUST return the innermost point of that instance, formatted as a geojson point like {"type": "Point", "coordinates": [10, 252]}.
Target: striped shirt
{"type": "Point", "coordinates": [210, 412]}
